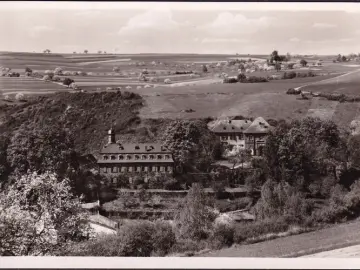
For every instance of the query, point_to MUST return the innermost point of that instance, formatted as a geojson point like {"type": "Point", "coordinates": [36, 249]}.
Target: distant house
{"type": "Point", "coordinates": [244, 133]}
{"type": "Point", "coordinates": [133, 158]}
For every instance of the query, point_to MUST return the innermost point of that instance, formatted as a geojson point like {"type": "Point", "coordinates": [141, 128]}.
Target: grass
{"type": "Point", "coordinates": [297, 245]}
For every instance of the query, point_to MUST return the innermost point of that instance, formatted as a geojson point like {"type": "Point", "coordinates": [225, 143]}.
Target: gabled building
{"type": "Point", "coordinates": [244, 133]}
{"type": "Point", "coordinates": [117, 158]}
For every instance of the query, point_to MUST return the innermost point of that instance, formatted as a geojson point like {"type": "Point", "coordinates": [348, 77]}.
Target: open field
{"type": "Point", "coordinates": [205, 94]}
{"type": "Point", "coordinates": [335, 237]}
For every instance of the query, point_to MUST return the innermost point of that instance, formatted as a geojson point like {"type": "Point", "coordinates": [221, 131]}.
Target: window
{"type": "Point", "coordinates": [151, 157]}
{"type": "Point", "coordinates": [130, 169]}
{"type": "Point", "coordinates": [137, 157]}
{"type": "Point", "coordinates": [138, 169]}
{"type": "Point", "coordinates": [154, 168]}
{"type": "Point", "coordinates": [106, 157]}
{"type": "Point", "coordinates": [144, 169]}
{"type": "Point", "coordinates": [137, 147]}
{"type": "Point", "coordinates": [159, 156]}
{"type": "Point", "coordinates": [162, 169]}
{"type": "Point", "coordinates": [121, 157]}
{"type": "Point", "coordinates": [224, 128]}
{"type": "Point", "coordinates": [113, 157]}
{"type": "Point", "coordinates": [143, 157]}
{"type": "Point", "coordinates": [167, 157]}
{"type": "Point", "coordinates": [114, 169]}
{"type": "Point", "coordinates": [104, 169]}
{"type": "Point", "coordinates": [123, 169]}
{"type": "Point", "coordinates": [114, 181]}
{"type": "Point", "coordinates": [109, 170]}
{"type": "Point", "coordinates": [169, 169]}
{"type": "Point", "coordinates": [224, 138]}
{"type": "Point", "coordinates": [128, 157]}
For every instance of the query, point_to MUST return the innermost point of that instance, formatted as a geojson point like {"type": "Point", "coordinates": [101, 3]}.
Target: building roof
{"type": "Point", "coordinates": [259, 125]}
{"type": "Point", "coordinates": [134, 148]}
{"type": "Point", "coordinates": [227, 126]}
{"type": "Point", "coordinates": [135, 161]}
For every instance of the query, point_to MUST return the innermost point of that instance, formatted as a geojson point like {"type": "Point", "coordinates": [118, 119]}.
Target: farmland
{"type": "Point", "coordinates": [203, 93]}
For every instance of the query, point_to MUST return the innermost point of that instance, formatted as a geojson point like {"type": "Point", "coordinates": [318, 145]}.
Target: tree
{"type": "Point", "coordinates": [303, 62]}
{"type": "Point", "coordinates": [278, 66]}
{"type": "Point", "coordinates": [86, 51]}
{"type": "Point", "coordinates": [41, 149]}
{"type": "Point", "coordinates": [238, 155]}
{"type": "Point", "coordinates": [241, 77]}
{"type": "Point", "coordinates": [58, 71]}
{"type": "Point", "coordinates": [39, 215]}
{"type": "Point", "coordinates": [47, 51]}
{"type": "Point", "coordinates": [192, 143]}
{"type": "Point", "coordinates": [343, 58]}
{"type": "Point", "coordinates": [274, 57]}
{"type": "Point", "coordinates": [68, 82]}
{"type": "Point", "coordinates": [204, 69]}
{"type": "Point", "coordinates": [29, 70]}
{"type": "Point", "coordinates": [99, 52]}
{"type": "Point", "coordinates": [195, 218]}
{"type": "Point", "coordinates": [288, 56]}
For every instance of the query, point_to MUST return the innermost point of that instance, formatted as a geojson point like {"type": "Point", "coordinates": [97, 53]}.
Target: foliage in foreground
{"type": "Point", "coordinates": [38, 215]}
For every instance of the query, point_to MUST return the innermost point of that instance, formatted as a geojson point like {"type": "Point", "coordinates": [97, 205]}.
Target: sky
{"type": "Point", "coordinates": [219, 28]}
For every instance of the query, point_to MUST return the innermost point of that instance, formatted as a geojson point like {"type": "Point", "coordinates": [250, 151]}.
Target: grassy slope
{"type": "Point", "coordinates": [297, 245]}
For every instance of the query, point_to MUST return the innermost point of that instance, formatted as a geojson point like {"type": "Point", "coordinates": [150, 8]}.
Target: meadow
{"type": "Point", "coordinates": [204, 94]}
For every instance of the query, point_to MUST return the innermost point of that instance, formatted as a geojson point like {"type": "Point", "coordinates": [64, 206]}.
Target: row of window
{"type": "Point", "coordinates": [239, 137]}
{"type": "Point", "coordinates": [124, 169]}
{"type": "Point", "coordinates": [136, 157]}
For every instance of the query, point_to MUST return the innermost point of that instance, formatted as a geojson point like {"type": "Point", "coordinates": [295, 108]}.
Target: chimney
{"type": "Point", "coordinates": [111, 136]}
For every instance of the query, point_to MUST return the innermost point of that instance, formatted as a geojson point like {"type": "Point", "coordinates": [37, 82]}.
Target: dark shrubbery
{"type": "Point", "coordinates": [67, 81]}
{"type": "Point", "coordinates": [255, 79]}
{"type": "Point", "coordinates": [288, 75]}
{"type": "Point", "coordinates": [250, 231]}
{"type": "Point", "coordinates": [230, 80]}
{"type": "Point", "coordinates": [292, 91]}
{"type": "Point", "coordinates": [182, 72]}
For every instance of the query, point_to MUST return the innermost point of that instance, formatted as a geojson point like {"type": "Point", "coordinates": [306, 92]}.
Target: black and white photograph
{"type": "Point", "coordinates": [180, 129]}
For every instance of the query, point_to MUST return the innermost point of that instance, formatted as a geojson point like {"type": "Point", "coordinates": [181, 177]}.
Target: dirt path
{"type": "Point", "coordinates": [335, 79]}
{"type": "Point", "coordinates": [332, 238]}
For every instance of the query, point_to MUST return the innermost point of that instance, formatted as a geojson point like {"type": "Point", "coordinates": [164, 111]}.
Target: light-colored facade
{"type": "Point", "coordinates": [244, 133]}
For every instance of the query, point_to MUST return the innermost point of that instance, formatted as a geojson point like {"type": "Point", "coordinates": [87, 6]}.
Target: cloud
{"type": "Point", "coordinates": [228, 24]}
{"type": "Point", "coordinates": [223, 40]}
{"type": "Point", "coordinates": [36, 31]}
{"type": "Point", "coordinates": [152, 20]}
{"type": "Point", "coordinates": [324, 25]}
{"type": "Point", "coordinates": [294, 39]}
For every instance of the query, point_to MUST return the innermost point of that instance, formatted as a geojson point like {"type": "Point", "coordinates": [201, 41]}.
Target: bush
{"type": "Point", "coordinates": [233, 205]}
{"type": "Point", "coordinates": [255, 79]}
{"type": "Point", "coordinates": [222, 235]}
{"type": "Point", "coordinates": [292, 91]}
{"type": "Point", "coordinates": [29, 70]}
{"type": "Point", "coordinates": [247, 231]}
{"type": "Point", "coordinates": [230, 80]}
{"type": "Point", "coordinates": [163, 238]}
{"type": "Point", "coordinates": [171, 184]}
{"type": "Point", "coordinates": [136, 240]}
{"type": "Point", "coordinates": [241, 77]}
{"type": "Point", "coordinates": [68, 82]}
{"type": "Point", "coordinates": [289, 75]}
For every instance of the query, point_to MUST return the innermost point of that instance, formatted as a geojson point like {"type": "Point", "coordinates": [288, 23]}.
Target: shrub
{"type": "Point", "coordinates": [29, 70]}
{"type": "Point", "coordinates": [136, 240]}
{"type": "Point", "coordinates": [255, 79]}
{"type": "Point", "coordinates": [289, 75]}
{"type": "Point", "coordinates": [246, 231]}
{"type": "Point", "coordinates": [241, 77]}
{"type": "Point", "coordinates": [230, 80]}
{"type": "Point", "coordinates": [68, 82]}
{"type": "Point", "coordinates": [58, 71]}
{"type": "Point", "coordinates": [222, 235]}
{"type": "Point", "coordinates": [292, 91]}
{"type": "Point", "coordinates": [56, 79]}
{"type": "Point", "coordinates": [163, 238]}
{"type": "Point", "coordinates": [171, 184]}
{"type": "Point", "coordinates": [19, 96]}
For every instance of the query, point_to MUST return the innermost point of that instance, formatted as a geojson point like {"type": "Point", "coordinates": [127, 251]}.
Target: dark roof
{"type": "Point", "coordinates": [135, 161]}
{"type": "Point", "coordinates": [227, 126]}
{"type": "Point", "coordinates": [134, 148]}
{"type": "Point", "coordinates": [259, 125]}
